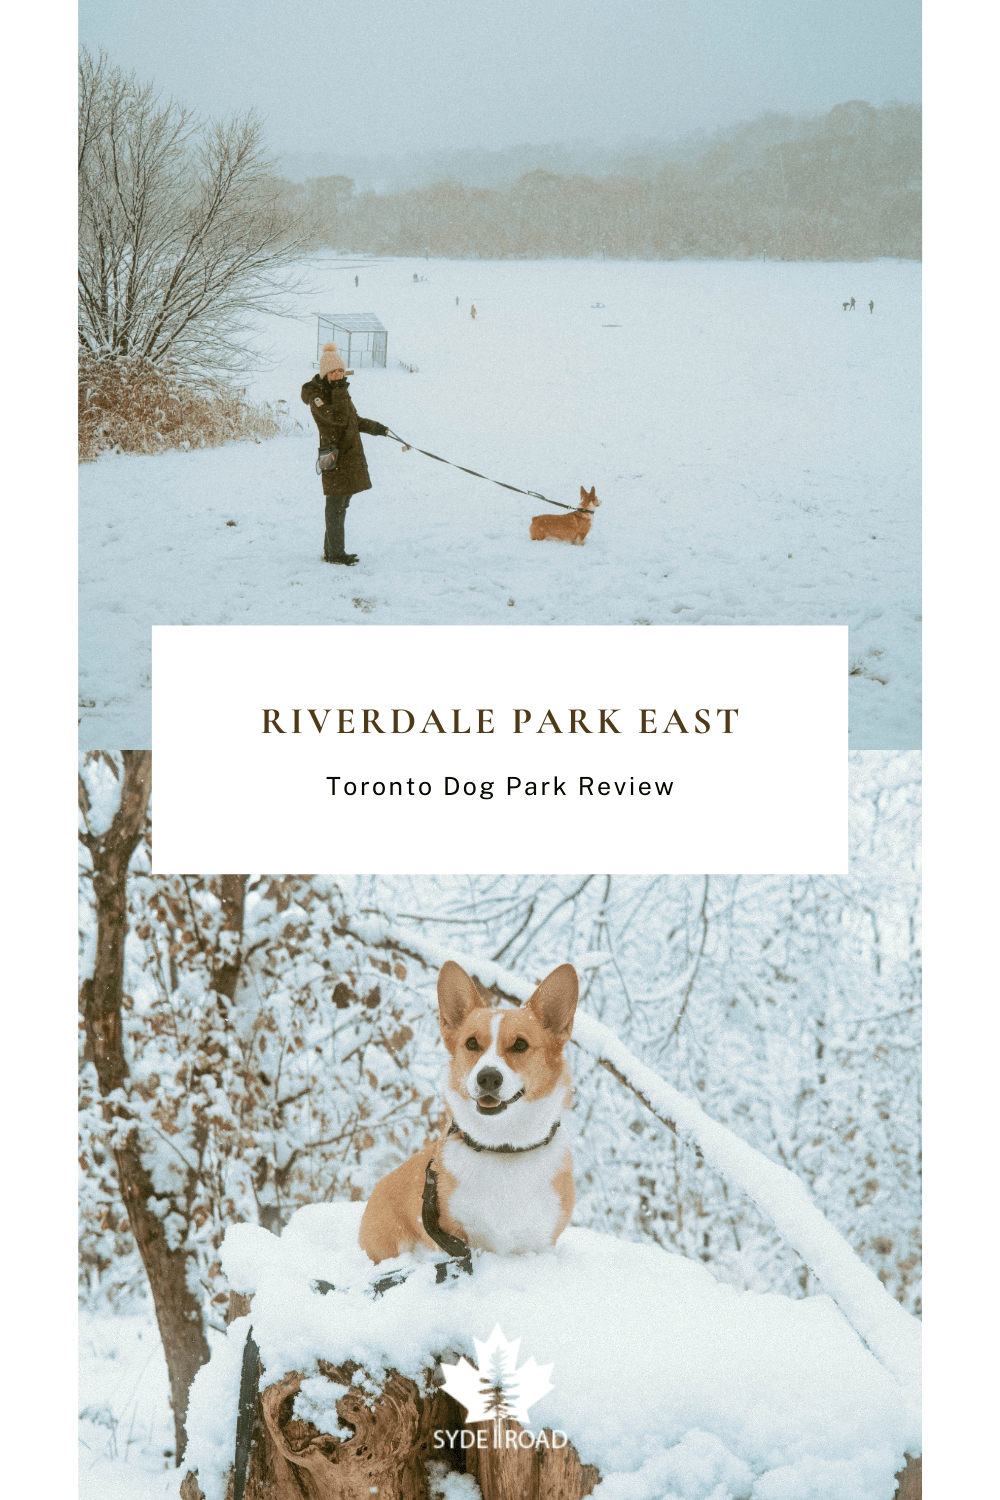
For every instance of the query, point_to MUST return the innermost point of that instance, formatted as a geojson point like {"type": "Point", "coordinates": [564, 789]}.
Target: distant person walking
{"type": "Point", "coordinates": [456, 301]}
{"type": "Point", "coordinates": [355, 281]}
{"type": "Point", "coordinates": [339, 428]}
{"type": "Point", "coordinates": [473, 312]}
{"type": "Point", "coordinates": [871, 307]}
{"type": "Point", "coordinates": [853, 305]}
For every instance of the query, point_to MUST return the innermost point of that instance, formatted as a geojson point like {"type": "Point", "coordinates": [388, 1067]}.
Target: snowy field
{"type": "Point", "coordinates": [755, 450]}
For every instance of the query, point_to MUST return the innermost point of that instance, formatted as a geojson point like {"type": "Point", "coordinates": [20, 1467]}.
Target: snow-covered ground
{"type": "Point", "coordinates": [126, 1436]}
{"type": "Point", "coordinates": [672, 1383]}
{"type": "Point", "coordinates": [755, 450]}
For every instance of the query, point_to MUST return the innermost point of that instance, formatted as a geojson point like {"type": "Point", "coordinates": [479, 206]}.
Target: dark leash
{"type": "Point", "coordinates": [430, 1214]}
{"type": "Point", "coordinates": [576, 509]}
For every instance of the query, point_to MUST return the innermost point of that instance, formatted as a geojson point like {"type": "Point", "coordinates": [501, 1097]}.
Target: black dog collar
{"type": "Point", "coordinates": [456, 1129]}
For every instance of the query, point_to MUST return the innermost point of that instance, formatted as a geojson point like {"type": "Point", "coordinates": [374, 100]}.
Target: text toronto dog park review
{"type": "Point", "coordinates": [553, 786]}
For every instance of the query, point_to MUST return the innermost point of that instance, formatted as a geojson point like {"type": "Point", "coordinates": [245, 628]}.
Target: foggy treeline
{"type": "Point", "coordinates": [842, 186]}
{"type": "Point", "coordinates": [476, 167]}
{"type": "Point", "coordinates": [480, 168]}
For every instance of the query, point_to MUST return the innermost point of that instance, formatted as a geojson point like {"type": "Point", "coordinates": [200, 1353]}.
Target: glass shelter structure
{"type": "Point", "coordinates": [360, 337]}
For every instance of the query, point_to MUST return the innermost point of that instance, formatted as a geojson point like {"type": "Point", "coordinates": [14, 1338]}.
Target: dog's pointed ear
{"type": "Point", "coordinates": [583, 493]}
{"type": "Point", "coordinates": [554, 1001]}
{"type": "Point", "coordinates": [457, 995]}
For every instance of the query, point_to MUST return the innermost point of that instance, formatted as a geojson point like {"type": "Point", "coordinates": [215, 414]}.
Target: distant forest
{"type": "Point", "coordinates": [842, 186]}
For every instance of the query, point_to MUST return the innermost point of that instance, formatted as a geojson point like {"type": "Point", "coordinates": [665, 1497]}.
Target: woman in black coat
{"type": "Point", "coordinates": [339, 427]}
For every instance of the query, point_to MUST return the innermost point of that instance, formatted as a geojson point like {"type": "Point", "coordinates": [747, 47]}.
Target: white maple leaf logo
{"type": "Point", "coordinates": [497, 1389]}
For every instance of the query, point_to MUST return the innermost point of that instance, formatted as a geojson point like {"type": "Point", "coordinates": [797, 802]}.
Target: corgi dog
{"type": "Point", "coordinates": [569, 528]}
{"type": "Point", "coordinates": [501, 1176]}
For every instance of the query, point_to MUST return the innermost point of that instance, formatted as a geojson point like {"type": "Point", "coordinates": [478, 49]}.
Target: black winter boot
{"type": "Point", "coordinates": [333, 541]}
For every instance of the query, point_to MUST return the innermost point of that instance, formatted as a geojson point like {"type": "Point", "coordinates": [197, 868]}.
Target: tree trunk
{"type": "Point", "coordinates": [110, 855]}
{"type": "Point", "coordinates": [233, 895]}
{"type": "Point", "coordinates": [909, 1485]}
{"type": "Point", "coordinates": [178, 1311]}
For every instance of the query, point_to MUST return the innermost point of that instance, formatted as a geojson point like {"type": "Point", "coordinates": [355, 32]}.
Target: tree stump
{"type": "Point", "coordinates": [505, 1472]}
{"type": "Point", "coordinates": [391, 1442]}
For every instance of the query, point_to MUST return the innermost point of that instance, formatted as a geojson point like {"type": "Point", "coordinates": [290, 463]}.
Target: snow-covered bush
{"type": "Point", "coordinates": [294, 1090]}
{"type": "Point", "coordinates": [132, 405]}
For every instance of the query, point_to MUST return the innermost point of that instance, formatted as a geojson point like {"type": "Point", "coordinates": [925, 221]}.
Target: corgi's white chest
{"type": "Point", "coordinates": [506, 1204]}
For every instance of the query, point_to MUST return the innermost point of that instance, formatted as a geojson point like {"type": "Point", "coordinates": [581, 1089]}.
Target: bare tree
{"type": "Point", "coordinates": [184, 228]}
{"type": "Point", "coordinates": [178, 1310]}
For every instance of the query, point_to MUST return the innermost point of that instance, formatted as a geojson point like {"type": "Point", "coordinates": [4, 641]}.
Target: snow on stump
{"type": "Point", "coordinates": [664, 1382]}
{"type": "Point", "coordinates": [384, 1448]}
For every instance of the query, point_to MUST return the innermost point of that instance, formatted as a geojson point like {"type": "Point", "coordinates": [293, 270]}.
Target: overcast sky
{"type": "Point", "coordinates": [410, 75]}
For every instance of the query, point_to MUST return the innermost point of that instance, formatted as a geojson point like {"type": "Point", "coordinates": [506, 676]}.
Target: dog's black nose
{"type": "Point", "coordinates": [489, 1080]}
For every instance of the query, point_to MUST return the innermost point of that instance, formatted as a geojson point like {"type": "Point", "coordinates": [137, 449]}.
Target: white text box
{"type": "Point", "coordinates": [623, 749]}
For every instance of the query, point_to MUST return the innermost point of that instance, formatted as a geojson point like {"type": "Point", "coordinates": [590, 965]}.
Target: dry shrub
{"type": "Point", "coordinates": [132, 405]}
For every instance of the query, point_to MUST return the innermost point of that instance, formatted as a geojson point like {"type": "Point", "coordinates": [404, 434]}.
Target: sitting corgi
{"type": "Point", "coordinates": [569, 528]}
{"type": "Point", "coordinates": [501, 1179]}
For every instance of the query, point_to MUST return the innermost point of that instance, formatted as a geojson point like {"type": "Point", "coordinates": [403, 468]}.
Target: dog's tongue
{"type": "Point", "coordinates": [488, 1101]}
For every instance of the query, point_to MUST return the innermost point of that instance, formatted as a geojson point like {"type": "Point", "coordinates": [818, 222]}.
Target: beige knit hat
{"type": "Point", "coordinates": [330, 360]}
